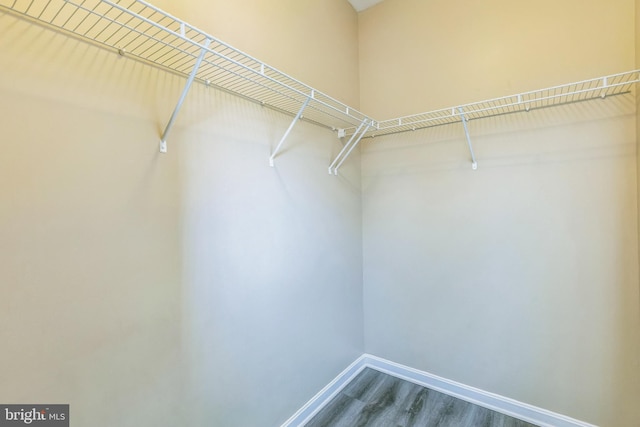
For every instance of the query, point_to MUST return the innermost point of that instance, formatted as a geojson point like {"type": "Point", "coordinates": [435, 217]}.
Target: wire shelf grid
{"type": "Point", "coordinates": [138, 29]}
{"type": "Point", "coordinates": [600, 87]}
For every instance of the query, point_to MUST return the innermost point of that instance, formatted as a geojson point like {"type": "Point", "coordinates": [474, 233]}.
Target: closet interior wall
{"type": "Point", "coordinates": [519, 278]}
{"type": "Point", "coordinates": [203, 287]}
{"type": "Point", "coordinates": [637, 44]}
{"type": "Point", "coordinates": [199, 287]}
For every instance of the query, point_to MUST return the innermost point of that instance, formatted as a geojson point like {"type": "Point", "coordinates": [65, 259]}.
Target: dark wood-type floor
{"type": "Point", "coordinates": [374, 399]}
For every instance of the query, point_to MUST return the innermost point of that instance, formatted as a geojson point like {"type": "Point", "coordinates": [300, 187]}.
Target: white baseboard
{"type": "Point", "coordinates": [495, 402]}
{"type": "Point", "coordinates": [324, 396]}
{"type": "Point", "coordinates": [532, 414]}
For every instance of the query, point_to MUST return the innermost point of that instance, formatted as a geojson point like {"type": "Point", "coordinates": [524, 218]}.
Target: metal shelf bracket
{"type": "Point", "coordinates": [349, 146]}
{"type": "Point", "coordinates": [474, 165]}
{"type": "Point", "coordinates": [286, 134]}
{"type": "Point", "coordinates": [192, 76]}
{"type": "Point", "coordinates": [141, 31]}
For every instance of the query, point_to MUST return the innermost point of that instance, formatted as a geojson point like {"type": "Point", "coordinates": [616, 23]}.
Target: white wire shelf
{"type": "Point", "coordinates": [600, 87]}
{"type": "Point", "coordinates": [138, 29]}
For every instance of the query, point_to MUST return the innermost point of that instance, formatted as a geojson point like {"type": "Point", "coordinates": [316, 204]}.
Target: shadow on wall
{"type": "Point", "coordinates": [509, 140]}
{"type": "Point", "coordinates": [89, 219]}
{"type": "Point", "coordinates": [58, 66]}
{"type": "Point", "coordinates": [521, 277]}
{"type": "Point", "coordinates": [273, 273]}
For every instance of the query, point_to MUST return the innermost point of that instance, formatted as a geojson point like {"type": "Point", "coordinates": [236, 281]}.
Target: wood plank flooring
{"type": "Point", "coordinates": [374, 399]}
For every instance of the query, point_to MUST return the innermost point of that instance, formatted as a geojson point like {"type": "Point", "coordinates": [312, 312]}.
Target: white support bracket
{"type": "Point", "coordinates": [192, 76]}
{"type": "Point", "coordinates": [474, 165]}
{"type": "Point", "coordinates": [346, 146]}
{"type": "Point", "coordinates": [349, 146]}
{"type": "Point", "coordinates": [605, 83]}
{"type": "Point", "coordinates": [286, 134]}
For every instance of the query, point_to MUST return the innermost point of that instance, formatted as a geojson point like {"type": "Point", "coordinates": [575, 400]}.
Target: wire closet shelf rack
{"type": "Point", "coordinates": [138, 29]}
{"type": "Point", "coordinates": [601, 87]}
{"type": "Point", "coordinates": [142, 31]}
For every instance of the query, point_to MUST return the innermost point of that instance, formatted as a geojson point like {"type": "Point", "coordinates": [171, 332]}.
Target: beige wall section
{"type": "Point", "coordinates": [423, 55]}
{"type": "Point", "coordinates": [196, 288]}
{"type": "Point", "coordinates": [90, 260]}
{"type": "Point", "coordinates": [273, 262]}
{"type": "Point", "coordinates": [313, 41]}
{"type": "Point", "coordinates": [637, 44]}
{"type": "Point", "coordinates": [520, 278]}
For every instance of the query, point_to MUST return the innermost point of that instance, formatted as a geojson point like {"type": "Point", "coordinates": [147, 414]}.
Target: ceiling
{"type": "Point", "coordinates": [360, 5]}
